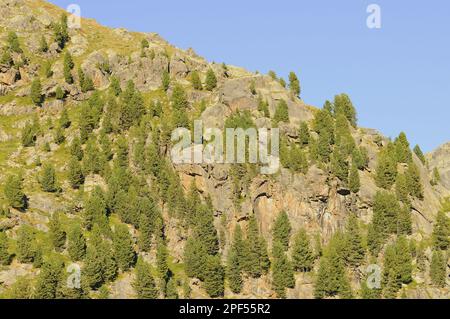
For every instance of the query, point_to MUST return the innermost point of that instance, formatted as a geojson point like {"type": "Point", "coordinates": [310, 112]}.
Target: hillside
{"type": "Point", "coordinates": [87, 180]}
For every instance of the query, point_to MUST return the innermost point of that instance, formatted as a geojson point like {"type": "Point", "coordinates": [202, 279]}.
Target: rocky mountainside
{"type": "Point", "coordinates": [85, 121]}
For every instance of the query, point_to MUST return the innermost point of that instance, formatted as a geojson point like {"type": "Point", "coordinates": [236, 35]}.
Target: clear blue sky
{"type": "Point", "coordinates": [398, 76]}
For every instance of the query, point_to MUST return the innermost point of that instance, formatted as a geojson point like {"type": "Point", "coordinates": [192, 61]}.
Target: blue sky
{"type": "Point", "coordinates": [398, 76]}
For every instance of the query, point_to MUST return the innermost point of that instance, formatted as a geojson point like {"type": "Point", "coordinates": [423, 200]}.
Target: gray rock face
{"type": "Point", "coordinates": [440, 159]}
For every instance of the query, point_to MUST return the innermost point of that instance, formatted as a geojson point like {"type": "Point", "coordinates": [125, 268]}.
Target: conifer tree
{"type": "Point", "coordinates": [354, 246]}
{"type": "Point", "coordinates": [194, 258]}
{"type": "Point", "coordinates": [93, 269]}
{"type": "Point", "coordinates": [36, 92]}
{"type": "Point", "coordinates": [401, 188]}
{"type": "Point", "coordinates": [165, 80]}
{"type": "Point", "coordinates": [47, 179]}
{"type": "Point", "coordinates": [294, 84]}
{"type": "Point", "coordinates": [49, 279]}
{"type": "Point", "coordinates": [214, 277]}
{"type": "Point", "coordinates": [339, 165]}
{"type": "Point", "coordinates": [282, 230]}
{"type": "Point", "coordinates": [235, 261]}
{"type": "Point", "coordinates": [354, 182]}
{"type": "Point", "coordinates": [297, 160]}
{"type": "Point", "coordinates": [413, 181]}
{"type": "Point", "coordinates": [281, 112]}
{"type": "Point", "coordinates": [76, 149]}
{"type": "Point", "coordinates": [302, 253]}
{"type": "Point", "coordinates": [441, 232]}
{"type": "Point", "coordinates": [145, 232]}
{"type": "Point", "coordinates": [211, 80]}
{"type": "Point", "coordinates": [282, 272]}
{"type": "Point", "coordinates": [436, 177]}
{"type": "Point", "coordinates": [12, 42]}
{"type": "Point", "coordinates": [5, 256]}
{"type": "Point", "coordinates": [75, 173]}
{"type": "Point", "coordinates": [6, 59]}
{"type": "Point", "coordinates": [390, 289]}
{"type": "Point", "coordinates": [438, 269]}
{"type": "Point", "coordinates": [171, 289]}
{"type": "Point", "coordinates": [404, 221]}
{"type": "Point", "coordinates": [386, 171]}
{"type": "Point", "coordinates": [123, 248]}
{"type": "Point", "coordinates": [64, 120]}
{"type": "Point", "coordinates": [385, 213]}
{"type": "Point", "coordinates": [25, 250]}
{"type": "Point", "coordinates": [144, 283]}
{"type": "Point", "coordinates": [304, 135]}
{"type": "Point", "coordinates": [256, 259]}
{"type": "Point", "coordinates": [43, 45]}
{"type": "Point", "coordinates": [77, 244]}
{"type": "Point", "coordinates": [115, 86]}
{"type": "Point", "coordinates": [68, 66]}
{"type": "Point", "coordinates": [61, 31]}
{"type": "Point", "coordinates": [59, 137]}
{"type": "Point", "coordinates": [343, 104]}
{"type": "Point", "coordinates": [402, 149]}
{"type": "Point", "coordinates": [161, 261]}
{"type": "Point", "coordinates": [418, 151]}
{"type": "Point", "coordinates": [28, 135]}
{"type": "Point", "coordinates": [57, 234]}
{"type": "Point", "coordinates": [195, 80]}
{"type": "Point", "coordinates": [14, 192]}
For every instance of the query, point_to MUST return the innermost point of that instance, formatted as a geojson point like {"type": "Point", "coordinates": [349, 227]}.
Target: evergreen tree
{"type": "Point", "coordinates": [401, 188]}
{"type": "Point", "coordinates": [436, 177]}
{"type": "Point", "coordinates": [386, 171]}
{"type": "Point", "coordinates": [441, 232]}
{"type": "Point", "coordinates": [297, 160]}
{"type": "Point", "coordinates": [194, 258]}
{"type": "Point", "coordinates": [115, 86]}
{"type": "Point", "coordinates": [390, 289]}
{"type": "Point", "coordinates": [398, 258]}
{"type": "Point", "coordinates": [36, 92]}
{"type": "Point", "coordinates": [302, 253]}
{"type": "Point", "coordinates": [263, 107]}
{"type": "Point", "coordinates": [354, 182]}
{"type": "Point", "coordinates": [49, 278]}
{"type": "Point", "coordinates": [214, 277]}
{"type": "Point", "coordinates": [294, 84]}
{"type": "Point", "coordinates": [59, 136]}
{"type": "Point", "coordinates": [14, 192]}
{"type": "Point", "coordinates": [211, 80]}
{"type": "Point", "coordinates": [75, 172]}
{"type": "Point", "coordinates": [161, 261]}
{"type": "Point", "coordinates": [57, 234]}
{"type": "Point", "coordinates": [64, 120]}
{"type": "Point", "coordinates": [418, 151]}
{"type": "Point", "coordinates": [28, 135]}
{"type": "Point", "coordinates": [281, 112]}
{"type": "Point", "coordinates": [43, 45]}
{"type": "Point", "coordinates": [77, 244]}
{"type": "Point", "coordinates": [123, 248]}
{"type": "Point", "coordinates": [413, 181]}
{"type": "Point", "coordinates": [85, 81]}
{"type": "Point", "coordinates": [438, 269]}
{"type": "Point", "coordinates": [235, 261]}
{"type": "Point", "coordinates": [402, 149]}
{"type": "Point", "coordinates": [47, 179]}
{"type": "Point", "coordinates": [404, 221]}
{"type": "Point", "coordinates": [145, 232]}
{"type": "Point", "coordinates": [12, 42]}
{"type": "Point", "coordinates": [76, 149]}
{"type": "Point", "coordinates": [165, 80]}
{"type": "Point", "coordinates": [256, 259]}
{"type": "Point", "coordinates": [282, 272]}
{"type": "Point", "coordinates": [61, 31]}
{"type": "Point", "coordinates": [343, 104]}
{"type": "Point", "coordinates": [354, 246]}
{"type": "Point", "coordinates": [282, 230]}
{"type": "Point", "coordinates": [195, 80]}
{"type": "Point", "coordinates": [339, 165]}
{"type": "Point", "coordinates": [68, 66]}
{"type": "Point", "coordinates": [385, 213]}
{"type": "Point", "coordinates": [25, 250]}
{"type": "Point", "coordinates": [93, 269]}
{"type": "Point", "coordinates": [304, 135]}
{"type": "Point", "coordinates": [5, 256]}
{"type": "Point", "coordinates": [171, 289]}
{"type": "Point", "coordinates": [144, 284]}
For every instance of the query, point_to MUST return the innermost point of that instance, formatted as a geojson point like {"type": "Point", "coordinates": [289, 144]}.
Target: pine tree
{"type": "Point", "coordinates": [115, 86]}
{"type": "Point", "coordinates": [235, 261]}
{"type": "Point", "coordinates": [165, 80]}
{"type": "Point", "coordinates": [404, 221]}
{"type": "Point", "coordinates": [354, 183]}
{"type": "Point", "coordinates": [144, 283]}
{"type": "Point", "coordinates": [77, 244]}
{"type": "Point", "coordinates": [436, 177]}
{"type": "Point", "coordinates": [294, 84]}
{"type": "Point", "coordinates": [5, 256]}
{"type": "Point", "coordinates": [401, 188]}
{"type": "Point", "coordinates": [281, 112]}
{"type": "Point", "coordinates": [93, 269]}
{"type": "Point", "coordinates": [36, 92]}
{"type": "Point", "coordinates": [28, 135]}
{"type": "Point", "coordinates": [402, 149]}
{"type": "Point", "coordinates": [297, 160]}
{"type": "Point", "coordinates": [354, 246]}
{"type": "Point", "coordinates": [302, 253]}
{"type": "Point", "coordinates": [14, 192]}
{"type": "Point", "coordinates": [256, 259]}
{"type": "Point", "coordinates": [441, 232]}
{"type": "Point", "coordinates": [76, 149]}
{"type": "Point", "coordinates": [398, 258]}
{"type": "Point", "coordinates": [390, 289]}
{"type": "Point", "coordinates": [12, 42]}
{"type": "Point", "coordinates": [68, 66]}
{"type": "Point", "coordinates": [61, 31]}
{"type": "Point", "coordinates": [214, 277]}
{"type": "Point", "coordinates": [438, 269]}
{"type": "Point", "coordinates": [339, 165]}
{"type": "Point", "coordinates": [123, 248]}
{"type": "Point", "coordinates": [418, 151]}
{"type": "Point", "coordinates": [47, 179]}
{"type": "Point", "coordinates": [194, 258]}
{"type": "Point", "coordinates": [304, 136]}
{"type": "Point", "coordinates": [6, 59]}
{"type": "Point", "coordinates": [145, 232]}
{"type": "Point", "coordinates": [64, 120]}
{"type": "Point", "coordinates": [385, 213]}
{"type": "Point", "coordinates": [57, 234]}
{"type": "Point", "coordinates": [75, 173]}
{"type": "Point", "coordinates": [195, 80]}
{"type": "Point", "coordinates": [171, 289]}
{"type": "Point", "coordinates": [43, 45]}
{"type": "Point", "coordinates": [49, 279]}
{"type": "Point", "coordinates": [25, 250]}
{"type": "Point", "coordinates": [59, 136]}
{"type": "Point", "coordinates": [343, 104]}
{"type": "Point", "coordinates": [282, 272]}
{"type": "Point", "coordinates": [161, 261]}
{"type": "Point", "coordinates": [413, 181]}
{"type": "Point", "coordinates": [386, 171]}
{"type": "Point", "coordinates": [211, 80]}
{"type": "Point", "coordinates": [282, 230]}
